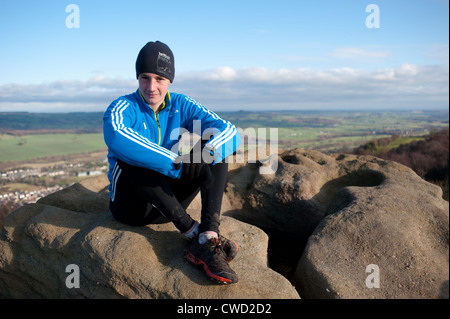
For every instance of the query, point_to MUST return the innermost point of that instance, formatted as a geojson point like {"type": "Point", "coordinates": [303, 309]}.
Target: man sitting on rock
{"type": "Point", "coordinates": [150, 181]}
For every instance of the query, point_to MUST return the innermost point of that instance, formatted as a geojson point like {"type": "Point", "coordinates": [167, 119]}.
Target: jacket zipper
{"type": "Point", "coordinates": [157, 121]}
{"type": "Point", "coordinates": [159, 127]}
{"type": "Point", "coordinates": [156, 117]}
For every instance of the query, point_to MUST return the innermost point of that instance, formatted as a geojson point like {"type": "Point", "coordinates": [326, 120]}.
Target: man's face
{"type": "Point", "coordinates": [153, 88]}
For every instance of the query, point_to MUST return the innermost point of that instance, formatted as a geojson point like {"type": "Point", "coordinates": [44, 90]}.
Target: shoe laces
{"type": "Point", "coordinates": [216, 244]}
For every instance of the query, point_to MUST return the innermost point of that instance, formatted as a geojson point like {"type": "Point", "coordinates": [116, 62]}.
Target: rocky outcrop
{"type": "Point", "coordinates": [353, 226]}
{"type": "Point", "coordinates": [41, 243]}
{"type": "Point", "coordinates": [365, 220]}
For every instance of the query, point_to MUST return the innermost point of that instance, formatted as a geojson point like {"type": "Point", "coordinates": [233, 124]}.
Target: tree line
{"type": "Point", "coordinates": [429, 157]}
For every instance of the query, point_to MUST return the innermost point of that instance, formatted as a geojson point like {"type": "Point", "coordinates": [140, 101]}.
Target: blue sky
{"type": "Point", "coordinates": [230, 55]}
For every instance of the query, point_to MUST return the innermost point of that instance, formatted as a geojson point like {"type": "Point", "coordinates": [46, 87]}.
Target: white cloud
{"type": "Point", "coordinates": [439, 52]}
{"type": "Point", "coordinates": [358, 53]}
{"type": "Point", "coordinates": [407, 86]}
{"type": "Point", "coordinates": [64, 95]}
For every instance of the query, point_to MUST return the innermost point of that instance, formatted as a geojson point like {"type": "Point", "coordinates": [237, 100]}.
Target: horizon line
{"type": "Point", "coordinates": [259, 111]}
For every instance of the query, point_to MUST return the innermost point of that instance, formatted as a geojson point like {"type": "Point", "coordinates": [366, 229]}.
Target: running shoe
{"type": "Point", "coordinates": [229, 247]}
{"type": "Point", "coordinates": [212, 257]}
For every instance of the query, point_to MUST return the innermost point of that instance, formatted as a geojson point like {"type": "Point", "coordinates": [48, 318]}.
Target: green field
{"type": "Point", "coordinates": [325, 131]}
{"type": "Point", "coordinates": [335, 131]}
{"type": "Point", "coordinates": [403, 140]}
{"type": "Point", "coordinates": [20, 148]}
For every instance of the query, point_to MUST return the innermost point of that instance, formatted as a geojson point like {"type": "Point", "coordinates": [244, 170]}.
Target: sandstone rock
{"type": "Point", "coordinates": [361, 211]}
{"type": "Point", "coordinates": [358, 214]}
{"type": "Point", "coordinates": [73, 227]}
{"type": "Point", "coordinates": [90, 195]}
{"type": "Point", "coordinates": [296, 198]}
{"type": "Point", "coordinates": [398, 230]}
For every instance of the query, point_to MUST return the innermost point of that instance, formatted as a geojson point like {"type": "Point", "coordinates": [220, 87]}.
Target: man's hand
{"type": "Point", "coordinates": [194, 168]}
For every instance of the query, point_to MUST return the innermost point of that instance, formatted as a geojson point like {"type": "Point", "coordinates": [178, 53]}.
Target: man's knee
{"type": "Point", "coordinates": [141, 176]}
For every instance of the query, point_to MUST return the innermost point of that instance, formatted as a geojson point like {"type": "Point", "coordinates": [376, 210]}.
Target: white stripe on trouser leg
{"type": "Point", "coordinates": [116, 174]}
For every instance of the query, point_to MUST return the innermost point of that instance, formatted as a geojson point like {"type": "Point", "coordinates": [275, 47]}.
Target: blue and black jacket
{"type": "Point", "coordinates": [137, 135]}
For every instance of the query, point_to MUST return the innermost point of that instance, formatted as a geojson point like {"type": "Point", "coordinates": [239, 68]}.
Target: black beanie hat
{"type": "Point", "coordinates": [156, 57]}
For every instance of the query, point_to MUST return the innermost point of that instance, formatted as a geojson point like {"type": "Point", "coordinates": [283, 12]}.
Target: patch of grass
{"type": "Point", "coordinates": [21, 148]}
{"type": "Point", "coordinates": [403, 140]}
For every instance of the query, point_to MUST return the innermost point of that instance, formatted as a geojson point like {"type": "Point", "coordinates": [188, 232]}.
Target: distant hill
{"type": "Point", "coordinates": [80, 122]}
{"type": "Point", "coordinates": [427, 156]}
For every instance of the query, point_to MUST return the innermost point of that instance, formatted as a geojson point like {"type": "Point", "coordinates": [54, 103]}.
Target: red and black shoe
{"type": "Point", "coordinates": [229, 247]}
{"type": "Point", "coordinates": [212, 257]}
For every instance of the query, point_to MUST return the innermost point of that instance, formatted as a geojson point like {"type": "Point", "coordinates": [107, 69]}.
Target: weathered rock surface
{"type": "Point", "coordinates": [360, 217]}
{"type": "Point", "coordinates": [73, 227]}
{"type": "Point", "coordinates": [361, 211]}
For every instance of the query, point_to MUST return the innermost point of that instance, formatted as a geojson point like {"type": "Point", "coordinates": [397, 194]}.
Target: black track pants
{"type": "Point", "coordinates": [142, 196]}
